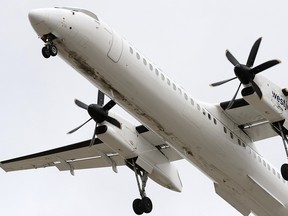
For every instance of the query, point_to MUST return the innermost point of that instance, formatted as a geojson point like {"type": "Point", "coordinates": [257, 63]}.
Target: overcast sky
{"type": "Point", "coordinates": [187, 39]}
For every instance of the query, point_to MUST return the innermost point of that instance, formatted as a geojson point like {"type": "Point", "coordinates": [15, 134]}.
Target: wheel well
{"type": "Point", "coordinates": [48, 37]}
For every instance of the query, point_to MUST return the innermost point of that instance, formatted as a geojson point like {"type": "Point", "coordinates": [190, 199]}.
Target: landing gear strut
{"type": "Point", "coordinates": [143, 205]}
{"type": "Point", "coordinates": [49, 49]}
{"type": "Point", "coordinates": [284, 167]}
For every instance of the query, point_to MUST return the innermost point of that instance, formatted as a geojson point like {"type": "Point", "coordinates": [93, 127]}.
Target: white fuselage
{"type": "Point", "coordinates": [200, 132]}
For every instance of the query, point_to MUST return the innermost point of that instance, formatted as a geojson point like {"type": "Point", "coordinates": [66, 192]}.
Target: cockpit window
{"type": "Point", "coordinates": [89, 13]}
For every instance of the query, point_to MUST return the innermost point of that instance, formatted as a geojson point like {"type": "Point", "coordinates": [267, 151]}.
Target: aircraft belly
{"type": "Point", "coordinates": [179, 123]}
{"type": "Point", "coordinates": [195, 150]}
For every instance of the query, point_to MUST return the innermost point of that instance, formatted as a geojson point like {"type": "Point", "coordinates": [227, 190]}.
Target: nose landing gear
{"type": "Point", "coordinates": [49, 50]}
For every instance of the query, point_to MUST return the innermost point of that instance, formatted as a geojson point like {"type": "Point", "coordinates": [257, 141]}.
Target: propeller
{"type": "Point", "coordinates": [246, 73]}
{"type": "Point", "coordinates": [98, 113]}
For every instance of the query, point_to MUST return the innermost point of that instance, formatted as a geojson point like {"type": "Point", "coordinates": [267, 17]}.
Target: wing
{"type": "Point", "coordinates": [234, 199]}
{"type": "Point", "coordinates": [249, 120]}
{"type": "Point", "coordinates": [71, 157]}
{"type": "Point", "coordinates": [82, 156]}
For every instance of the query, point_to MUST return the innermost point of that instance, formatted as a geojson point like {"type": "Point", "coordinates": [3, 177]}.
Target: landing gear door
{"type": "Point", "coordinates": [116, 48]}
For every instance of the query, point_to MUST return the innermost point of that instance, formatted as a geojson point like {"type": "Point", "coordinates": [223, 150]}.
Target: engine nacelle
{"type": "Point", "coordinates": [165, 174]}
{"type": "Point", "coordinates": [131, 145]}
{"type": "Point", "coordinates": [265, 106]}
{"type": "Point", "coordinates": [273, 105]}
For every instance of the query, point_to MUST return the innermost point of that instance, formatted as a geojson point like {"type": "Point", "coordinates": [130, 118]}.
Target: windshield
{"type": "Point", "coordinates": [89, 13]}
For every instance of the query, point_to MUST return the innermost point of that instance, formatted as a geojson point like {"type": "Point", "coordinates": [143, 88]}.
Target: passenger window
{"type": "Point", "coordinates": [157, 72]}
{"type": "Point", "coordinates": [231, 135]}
{"type": "Point", "coordinates": [131, 50]}
{"type": "Point", "coordinates": [174, 86]}
{"type": "Point", "coordinates": [144, 61]}
{"type": "Point", "coordinates": [162, 77]}
{"type": "Point", "coordinates": [198, 107]}
{"type": "Point", "coordinates": [151, 67]}
{"type": "Point", "coordinates": [225, 130]}
{"type": "Point", "coordinates": [215, 121]}
{"type": "Point", "coordinates": [186, 96]}
{"type": "Point", "coordinates": [138, 55]}
{"type": "Point", "coordinates": [209, 116]}
{"type": "Point", "coordinates": [168, 82]}
{"type": "Point", "coordinates": [239, 142]}
{"type": "Point", "coordinates": [192, 101]}
{"type": "Point", "coordinates": [203, 111]}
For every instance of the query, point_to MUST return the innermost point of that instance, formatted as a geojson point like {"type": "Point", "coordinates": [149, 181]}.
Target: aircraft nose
{"type": "Point", "coordinates": [39, 20]}
{"type": "Point", "coordinates": [37, 16]}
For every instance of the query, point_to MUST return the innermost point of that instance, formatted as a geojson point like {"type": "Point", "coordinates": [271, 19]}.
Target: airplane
{"type": "Point", "coordinates": [219, 139]}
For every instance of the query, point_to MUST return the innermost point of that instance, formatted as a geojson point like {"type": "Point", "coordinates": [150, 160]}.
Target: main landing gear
{"type": "Point", "coordinates": [284, 167]}
{"type": "Point", "coordinates": [143, 205]}
{"type": "Point", "coordinates": [49, 49]}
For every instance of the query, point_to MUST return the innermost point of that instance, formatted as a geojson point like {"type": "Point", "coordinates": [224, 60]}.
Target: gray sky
{"type": "Point", "coordinates": [187, 39]}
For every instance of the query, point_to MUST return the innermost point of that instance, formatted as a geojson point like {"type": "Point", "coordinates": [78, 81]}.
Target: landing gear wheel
{"type": "Point", "coordinates": [46, 52]}
{"type": "Point", "coordinates": [283, 133]}
{"type": "Point", "coordinates": [284, 171]}
{"type": "Point", "coordinates": [143, 205]}
{"type": "Point", "coordinates": [53, 50]}
{"type": "Point", "coordinates": [147, 205]}
{"type": "Point", "coordinates": [137, 207]}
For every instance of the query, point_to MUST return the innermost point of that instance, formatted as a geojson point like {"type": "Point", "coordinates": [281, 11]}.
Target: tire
{"type": "Point", "coordinates": [284, 171]}
{"type": "Point", "coordinates": [46, 52]}
{"type": "Point", "coordinates": [147, 205]}
{"type": "Point", "coordinates": [137, 207]}
{"type": "Point", "coordinates": [53, 50]}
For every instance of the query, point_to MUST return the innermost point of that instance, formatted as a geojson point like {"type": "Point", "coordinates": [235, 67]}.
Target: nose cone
{"type": "Point", "coordinates": [37, 16]}
{"type": "Point", "coordinates": [39, 21]}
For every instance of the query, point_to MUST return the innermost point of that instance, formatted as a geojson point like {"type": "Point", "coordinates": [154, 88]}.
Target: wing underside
{"type": "Point", "coordinates": [71, 157]}
{"type": "Point", "coordinates": [248, 119]}
{"type": "Point", "coordinates": [82, 156]}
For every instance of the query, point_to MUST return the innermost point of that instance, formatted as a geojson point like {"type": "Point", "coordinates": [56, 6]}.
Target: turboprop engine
{"type": "Point", "coordinates": [148, 157]}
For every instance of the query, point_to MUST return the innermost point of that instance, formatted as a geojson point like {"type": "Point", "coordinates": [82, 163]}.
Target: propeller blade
{"type": "Point", "coordinates": [256, 89]}
{"type": "Point", "coordinates": [253, 53]}
{"type": "Point", "coordinates": [113, 121]}
{"type": "Point", "coordinates": [231, 58]}
{"type": "Point", "coordinates": [109, 105]}
{"type": "Point", "coordinates": [100, 99]}
{"type": "Point", "coordinates": [264, 66]}
{"type": "Point", "coordinates": [72, 131]}
{"type": "Point", "coordinates": [94, 136]}
{"type": "Point", "coordinates": [234, 97]}
{"type": "Point", "coordinates": [81, 104]}
{"type": "Point", "coordinates": [222, 82]}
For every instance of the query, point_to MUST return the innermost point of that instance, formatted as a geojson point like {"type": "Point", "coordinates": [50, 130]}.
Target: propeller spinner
{"type": "Point", "coordinates": [246, 73]}
{"type": "Point", "coordinates": [98, 113]}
